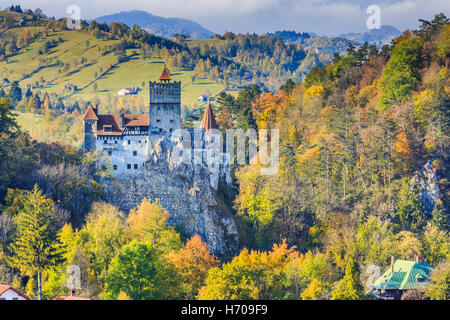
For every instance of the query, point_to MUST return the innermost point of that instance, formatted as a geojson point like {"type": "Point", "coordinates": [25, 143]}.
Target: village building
{"type": "Point", "coordinates": [128, 91]}
{"type": "Point", "coordinates": [9, 293]}
{"type": "Point", "coordinates": [72, 296]}
{"type": "Point", "coordinates": [402, 275]}
{"type": "Point", "coordinates": [203, 98]}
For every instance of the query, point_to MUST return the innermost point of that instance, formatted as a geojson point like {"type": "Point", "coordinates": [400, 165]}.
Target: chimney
{"type": "Point", "coordinates": [419, 259]}
{"type": "Point", "coordinates": [392, 265]}
{"type": "Point", "coordinates": [72, 292]}
{"type": "Point", "coordinates": [122, 120]}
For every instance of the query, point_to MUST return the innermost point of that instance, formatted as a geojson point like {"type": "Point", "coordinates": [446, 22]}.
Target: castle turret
{"type": "Point", "coordinates": [165, 105]}
{"type": "Point", "coordinates": [90, 127]}
{"type": "Point", "coordinates": [209, 121]}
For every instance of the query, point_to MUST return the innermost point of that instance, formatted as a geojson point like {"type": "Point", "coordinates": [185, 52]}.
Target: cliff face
{"type": "Point", "coordinates": [187, 191]}
{"type": "Point", "coordinates": [428, 183]}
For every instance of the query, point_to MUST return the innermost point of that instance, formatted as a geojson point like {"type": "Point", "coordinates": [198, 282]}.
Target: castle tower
{"type": "Point", "coordinates": [209, 121]}
{"type": "Point", "coordinates": [89, 128]}
{"type": "Point", "coordinates": [211, 133]}
{"type": "Point", "coordinates": [165, 106]}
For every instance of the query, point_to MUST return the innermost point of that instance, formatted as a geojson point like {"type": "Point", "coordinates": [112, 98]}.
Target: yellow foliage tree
{"type": "Point", "coordinates": [148, 223]}
{"type": "Point", "coordinates": [313, 291]}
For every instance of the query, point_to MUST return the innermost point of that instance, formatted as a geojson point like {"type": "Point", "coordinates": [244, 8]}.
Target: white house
{"type": "Point", "coordinates": [124, 92]}
{"type": "Point", "coordinates": [128, 91]}
{"type": "Point", "coordinates": [9, 293]}
{"type": "Point", "coordinates": [203, 98]}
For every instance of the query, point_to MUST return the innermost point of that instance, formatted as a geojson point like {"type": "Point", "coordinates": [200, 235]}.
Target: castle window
{"type": "Point", "coordinates": [160, 130]}
{"type": "Point", "coordinates": [109, 153]}
{"type": "Point", "coordinates": [134, 153]}
{"type": "Point", "coordinates": [158, 120]}
{"type": "Point", "coordinates": [114, 167]}
{"type": "Point", "coordinates": [128, 166]}
{"type": "Point", "coordinates": [129, 142]}
{"type": "Point", "coordinates": [105, 142]}
{"type": "Point", "coordinates": [135, 166]}
{"type": "Point", "coordinates": [115, 142]}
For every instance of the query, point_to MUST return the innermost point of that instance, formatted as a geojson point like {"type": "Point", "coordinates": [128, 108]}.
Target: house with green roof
{"type": "Point", "coordinates": [401, 276]}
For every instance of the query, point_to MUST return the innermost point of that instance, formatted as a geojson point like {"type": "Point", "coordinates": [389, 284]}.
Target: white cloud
{"type": "Point", "coordinates": [322, 16]}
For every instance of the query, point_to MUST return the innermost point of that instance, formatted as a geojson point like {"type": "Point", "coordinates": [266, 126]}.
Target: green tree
{"type": "Point", "coordinates": [410, 213]}
{"type": "Point", "coordinates": [36, 247]}
{"type": "Point", "coordinates": [7, 118]}
{"type": "Point", "coordinates": [350, 287]}
{"type": "Point", "coordinates": [137, 272]}
{"type": "Point", "coordinates": [402, 73]}
{"type": "Point", "coordinates": [440, 218]}
{"type": "Point", "coordinates": [436, 245]}
{"type": "Point", "coordinates": [15, 93]}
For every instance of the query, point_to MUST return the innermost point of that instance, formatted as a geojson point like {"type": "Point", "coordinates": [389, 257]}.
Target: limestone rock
{"type": "Point", "coordinates": [185, 190]}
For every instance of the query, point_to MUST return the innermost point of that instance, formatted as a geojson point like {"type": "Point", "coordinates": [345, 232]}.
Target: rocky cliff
{"type": "Point", "coordinates": [427, 180]}
{"type": "Point", "coordinates": [187, 190]}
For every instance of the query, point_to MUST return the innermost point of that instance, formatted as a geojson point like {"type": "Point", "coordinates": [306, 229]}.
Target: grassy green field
{"type": "Point", "coordinates": [30, 67]}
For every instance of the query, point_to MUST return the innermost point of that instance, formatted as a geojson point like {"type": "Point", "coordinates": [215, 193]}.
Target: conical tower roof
{"type": "Point", "coordinates": [209, 121]}
{"type": "Point", "coordinates": [165, 75]}
{"type": "Point", "coordinates": [90, 114]}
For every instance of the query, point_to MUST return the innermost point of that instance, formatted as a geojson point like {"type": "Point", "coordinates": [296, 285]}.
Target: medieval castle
{"type": "Point", "coordinates": [144, 151]}
{"type": "Point", "coordinates": [128, 138]}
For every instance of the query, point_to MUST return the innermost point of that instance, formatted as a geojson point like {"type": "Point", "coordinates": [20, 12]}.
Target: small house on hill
{"type": "Point", "coordinates": [402, 275]}
{"type": "Point", "coordinates": [203, 98]}
{"type": "Point", "coordinates": [128, 91]}
{"type": "Point", "coordinates": [9, 293]}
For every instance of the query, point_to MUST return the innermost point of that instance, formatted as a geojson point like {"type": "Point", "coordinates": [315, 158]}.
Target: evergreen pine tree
{"type": "Point", "coordinates": [36, 247]}
{"type": "Point", "coordinates": [410, 213]}
{"type": "Point", "coordinates": [440, 218]}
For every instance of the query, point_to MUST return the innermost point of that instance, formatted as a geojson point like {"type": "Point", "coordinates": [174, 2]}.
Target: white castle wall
{"type": "Point", "coordinates": [126, 152]}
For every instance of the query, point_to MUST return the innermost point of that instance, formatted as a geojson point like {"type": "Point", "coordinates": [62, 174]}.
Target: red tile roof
{"type": "Point", "coordinates": [209, 121]}
{"type": "Point", "coordinates": [71, 298]}
{"type": "Point", "coordinates": [165, 75]}
{"type": "Point", "coordinates": [130, 120]}
{"type": "Point", "coordinates": [90, 114]}
{"type": "Point", "coordinates": [4, 288]}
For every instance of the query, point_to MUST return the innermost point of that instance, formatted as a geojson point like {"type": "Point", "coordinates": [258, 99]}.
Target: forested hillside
{"type": "Point", "coordinates": [363, 177]}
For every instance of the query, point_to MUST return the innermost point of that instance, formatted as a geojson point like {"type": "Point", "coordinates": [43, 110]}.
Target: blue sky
{"type": "Point", "coordinates": [320, 16]}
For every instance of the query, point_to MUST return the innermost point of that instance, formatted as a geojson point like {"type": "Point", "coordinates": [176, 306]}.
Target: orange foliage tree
{"type": "Point", "coordinates": [193, 262]}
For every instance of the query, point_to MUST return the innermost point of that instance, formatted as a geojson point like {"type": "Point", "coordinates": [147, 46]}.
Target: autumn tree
{"type": "Point", "coordinates": [103, 236]}
{"type": "Point", "coordinates": [193, 261]}
{"type": "Point", "coordinates": [439, 288]}
{"type": "Point", "coordinates": [250, 275]}
{"type": "Point", "coordinates": [148, 223]}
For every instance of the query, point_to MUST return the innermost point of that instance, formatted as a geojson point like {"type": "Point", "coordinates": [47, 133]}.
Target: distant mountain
{"type": "Point", "coordinates": [164, 27]}
{"type": "Point", "coordinates": [375, 36]}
